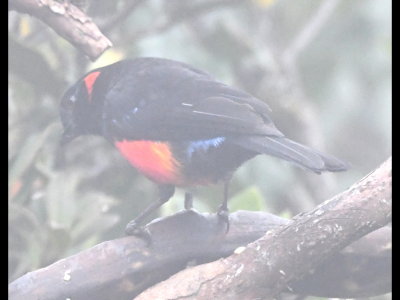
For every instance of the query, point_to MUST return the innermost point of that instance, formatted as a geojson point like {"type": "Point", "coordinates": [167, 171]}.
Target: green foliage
{"type": "Point", "coordinates": [250, 198]}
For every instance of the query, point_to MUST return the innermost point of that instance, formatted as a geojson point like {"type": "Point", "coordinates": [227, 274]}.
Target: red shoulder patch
{"type": "Point", "coordinates": [89, 82]}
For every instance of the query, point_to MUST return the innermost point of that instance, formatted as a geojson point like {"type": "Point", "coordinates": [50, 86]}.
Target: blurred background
{"type": "Point", "coordinates": [324, 67]}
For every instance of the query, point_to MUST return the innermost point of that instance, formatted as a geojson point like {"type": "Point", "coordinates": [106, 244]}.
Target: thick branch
{"type": "Point", "coordinates": [125, 267]}
{"type": "Point", "coordinates": [362, 269]}
{"type": "Point", "coordinates": [266, 267]}
{"type": "Point", "coordinates": [120, 268]}
{"type": "Point", "coordinates": [69, 22]}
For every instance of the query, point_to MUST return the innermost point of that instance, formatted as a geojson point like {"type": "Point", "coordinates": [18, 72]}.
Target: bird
{"type": "Point", "coordinates": [178, 126]}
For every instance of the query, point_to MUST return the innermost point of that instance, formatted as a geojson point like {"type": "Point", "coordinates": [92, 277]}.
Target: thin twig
{"type": "Point", "coordinates": [309, 31]}
{"type": "Point", "coordinates": [120, 17]}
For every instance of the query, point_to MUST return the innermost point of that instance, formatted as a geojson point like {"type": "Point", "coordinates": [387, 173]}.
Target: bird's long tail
{"type": "Point", "coordinates": [291, 151]}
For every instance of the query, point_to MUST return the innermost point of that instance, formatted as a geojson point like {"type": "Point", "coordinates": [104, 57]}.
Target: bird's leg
{"type": "Point", "coordinates": [188, 200]}
{"type": "Point", "coordinates": [134, 226]}
{"type": "Point", "coordinates": [223, 212]}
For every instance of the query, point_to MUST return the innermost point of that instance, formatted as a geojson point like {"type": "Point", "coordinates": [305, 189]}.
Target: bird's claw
{"type": "Point", "coordinates": [133, 228]}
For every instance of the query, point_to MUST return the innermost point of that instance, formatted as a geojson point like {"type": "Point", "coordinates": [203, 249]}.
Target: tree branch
{"type": "Point", "coordinates": [104, 273]}
{"type": "Point", "coordinates": [122, 268]}
{"type": "Point", "coordinates": [69, 22]}
{"type": "Point", "coordinates": [266, 267]}
{"type": "Point", "coordinates": [181, 14]}
{"type": "Point", "coordinates": [309, 31]}
{"type": "Point", "coordinates": [121, 16]}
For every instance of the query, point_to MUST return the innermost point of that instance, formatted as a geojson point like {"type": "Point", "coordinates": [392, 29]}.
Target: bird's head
{"type": "Point", "coordinates": [80, 111]}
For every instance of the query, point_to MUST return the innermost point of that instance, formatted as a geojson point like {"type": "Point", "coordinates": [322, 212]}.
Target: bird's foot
{"type": "Point", "coordinates": [133, 228]}
{"type": "Point", "coordinates": [223, 216]}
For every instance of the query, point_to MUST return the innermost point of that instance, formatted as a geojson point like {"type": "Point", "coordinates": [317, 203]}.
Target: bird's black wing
{"type": "Point", "coordinates": [159, 99]}
{"type": "Point", "coordinates": [167, 100]}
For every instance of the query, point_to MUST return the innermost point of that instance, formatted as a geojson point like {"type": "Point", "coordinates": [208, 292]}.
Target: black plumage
{"type": "Point", "coordinates": [210, 127]}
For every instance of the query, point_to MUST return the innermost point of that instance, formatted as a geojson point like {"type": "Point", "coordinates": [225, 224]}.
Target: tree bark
{"type": "Point", "coordinates": [69, 22]}
{"type": "Point", "coordinates": [266, 267]}
{"type": "Point", "coordinates": [122, 268]}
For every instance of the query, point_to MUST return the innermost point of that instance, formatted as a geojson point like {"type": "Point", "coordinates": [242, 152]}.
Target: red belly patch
{"type": "Point", "coordinates": [153, 159]}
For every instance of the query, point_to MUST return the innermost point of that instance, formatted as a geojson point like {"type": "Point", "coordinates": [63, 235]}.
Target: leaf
{"type": "Point", "coordinates": [26, 155]}
{"type": "Point", "coordinates": [94, 217]}
{"type": "Point", "coordinates": [62, 200]}
{"type": "Point", "coordinates": [25, 28]}
{"type": "Point", "coordinates": [110, 56]}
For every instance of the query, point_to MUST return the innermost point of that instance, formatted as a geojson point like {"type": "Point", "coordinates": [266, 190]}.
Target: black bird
{"type": "Point", "coordinates": [178, 125]}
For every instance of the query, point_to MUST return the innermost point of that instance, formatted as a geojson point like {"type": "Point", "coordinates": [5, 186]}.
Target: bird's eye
{"type": "Point", "coordinates": [69, 103]}
{"type": "Point", "coordinates": [69, 100]}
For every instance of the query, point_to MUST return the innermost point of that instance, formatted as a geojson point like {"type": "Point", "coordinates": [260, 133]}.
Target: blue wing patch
{"type": "Point", "coordinates": [204, 145]}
